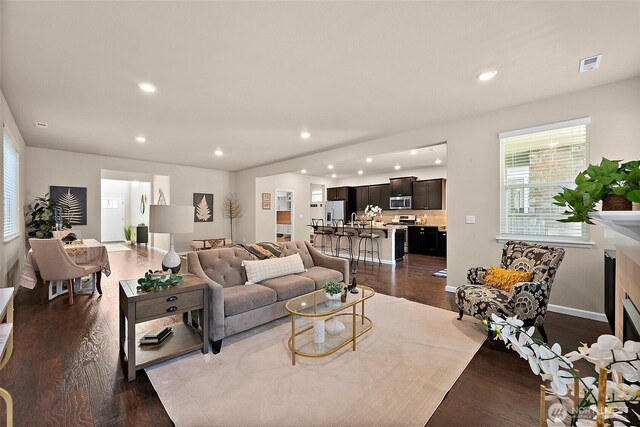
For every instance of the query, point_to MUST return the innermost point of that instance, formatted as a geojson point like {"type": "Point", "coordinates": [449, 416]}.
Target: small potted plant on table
{"type": "Point", "coordinates": [333, 290]}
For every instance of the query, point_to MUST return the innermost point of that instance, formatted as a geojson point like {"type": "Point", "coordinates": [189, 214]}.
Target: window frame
{"type": "Point", "coordinates": [16, 233]}
{"type": "Point", "coordinates": [567, 241]}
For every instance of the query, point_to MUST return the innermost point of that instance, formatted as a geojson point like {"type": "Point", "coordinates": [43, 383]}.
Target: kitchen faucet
{"type": "Point", "coordinates": [353, 218]}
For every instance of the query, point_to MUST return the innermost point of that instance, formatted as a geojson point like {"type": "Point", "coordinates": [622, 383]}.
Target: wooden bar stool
{"type": "Point", "coordinates": [321, 232]}
{"type": "Point", "coordinates": [368, 236]}
{"type": "Point", "coordinates": [340, 233]}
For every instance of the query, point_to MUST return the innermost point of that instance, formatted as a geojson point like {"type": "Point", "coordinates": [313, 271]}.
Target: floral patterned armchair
{"type": "Point", "coordinates": [526, 300]}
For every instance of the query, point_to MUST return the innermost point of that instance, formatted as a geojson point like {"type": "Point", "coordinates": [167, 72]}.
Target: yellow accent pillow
{"type": "Point", "coordinates": [505, 279]}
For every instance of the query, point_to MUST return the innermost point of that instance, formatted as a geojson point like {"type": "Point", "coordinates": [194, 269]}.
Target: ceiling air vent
{"type": "Point", "coordinates": [591, 63]}
{"type": "Point", "coordinates": [41, 125]}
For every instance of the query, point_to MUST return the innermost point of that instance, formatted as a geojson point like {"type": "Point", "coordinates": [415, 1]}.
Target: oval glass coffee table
{"type": "Point", "coordinates": [340, 326]}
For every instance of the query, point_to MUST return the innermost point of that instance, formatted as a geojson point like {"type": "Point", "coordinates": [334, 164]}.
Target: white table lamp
{"type": "Point", "coordinates": [171, 219]}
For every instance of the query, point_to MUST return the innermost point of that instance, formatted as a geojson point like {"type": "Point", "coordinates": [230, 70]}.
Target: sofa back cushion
{"type": "Point", "coordinates": [298, 247]}
{"type": "Point", "coordinates": [264, 269]}
{"type": "Point", "coordinates": [224, 265]}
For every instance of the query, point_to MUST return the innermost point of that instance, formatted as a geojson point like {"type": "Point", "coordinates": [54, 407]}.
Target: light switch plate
{"type": "Point", "coordinates": [470, 219]}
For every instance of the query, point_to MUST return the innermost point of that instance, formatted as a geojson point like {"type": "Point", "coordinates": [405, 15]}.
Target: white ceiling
{"type": "Point", "coordinates": [247, 77]}
{"type": "Point", "coordinates": [418, 158]}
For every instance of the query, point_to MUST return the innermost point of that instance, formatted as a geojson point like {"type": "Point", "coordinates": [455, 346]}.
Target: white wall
{"type": "Point", "coordinates": [473, 168]}
{"type": "Point", "coordinates": [431, 172]}
{"type": "Point", "coordinates": [46, 167]}
{"type": "Point", "coordinates": [138, 188]}
{"type": "Point", "coordinates": [300, 185]}
{"type": "Point", "coordinates": [12, 252]}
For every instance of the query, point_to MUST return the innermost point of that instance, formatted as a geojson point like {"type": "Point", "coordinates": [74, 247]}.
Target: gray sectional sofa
{"type": "Point", "coordinates": [235, 307]}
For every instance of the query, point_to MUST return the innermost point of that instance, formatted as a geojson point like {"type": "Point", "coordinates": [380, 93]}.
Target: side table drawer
{"type": "Point", "coordinates": [168, 304]}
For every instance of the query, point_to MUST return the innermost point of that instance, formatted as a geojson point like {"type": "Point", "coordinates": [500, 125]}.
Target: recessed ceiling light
{"type": "Point", "coordinates": [486, 75]}
{"type": "Point", "coordinates": [396, 167]}
{"type": "Point", "coordinates": [303, 171]}
{"type": "Point", "coordinates": [438, 161]}
{"type": "Point", "coordinates": [330, 166]}
{"type": "Point", "coordinates": [413, 152]}
{"type": "Point", "coordinates": [369, 160]}
{"type": "Point", "coordinates": [553, 144]}
{"type": "Point", "coordinates": [360, 172]}
{"type": "Point", "coordinates": [333, 175]}
{"type": "Point", "coordinates": [218, 153]}
{"type": "Point", "coordinates": [147, 87]}
{"type": "Point", "coordinates": [141, 139]}
{"type": "Point", "coordinates": [305, 135]}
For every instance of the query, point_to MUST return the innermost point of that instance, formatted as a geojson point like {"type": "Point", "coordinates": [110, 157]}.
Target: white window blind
{"type": "Point", "coordinates": [535, 164]}
{"type": "Point", "coordinates": [11, 179]}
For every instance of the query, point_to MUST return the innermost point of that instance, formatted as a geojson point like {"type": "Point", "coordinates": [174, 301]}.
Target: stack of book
{"type": "Point", "coordinates": [156, 336]}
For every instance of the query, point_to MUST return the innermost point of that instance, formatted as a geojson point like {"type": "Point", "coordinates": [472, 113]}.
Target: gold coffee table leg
{"type": "Point", "coordinates": [353, 325]}
{"type": "Point", "coordinates": [4, 394]}
{"type": "Point", "coordinates": [293, 339]}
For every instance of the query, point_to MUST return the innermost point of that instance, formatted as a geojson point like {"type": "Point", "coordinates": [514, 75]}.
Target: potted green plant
{"type": "Point", "coordinates": [41, 218]}
{"type": "Point", "coordinates": [614, 183]}
{"type": "Point", "coordinates": [127, 233]}
{"type": "Point", "coordinates": [332, 291]}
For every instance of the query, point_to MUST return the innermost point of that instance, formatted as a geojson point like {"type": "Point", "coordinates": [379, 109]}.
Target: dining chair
{"type": "Point", "coordinates": [56, 265]}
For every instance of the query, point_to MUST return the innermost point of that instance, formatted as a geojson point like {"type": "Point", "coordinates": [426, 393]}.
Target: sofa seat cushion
{"type": "Point", "coordinates": [322, 275]}
{"type": "Point", "coordinates": [291, 286]}
{"type": "Point", "coordinates": [238, 299]}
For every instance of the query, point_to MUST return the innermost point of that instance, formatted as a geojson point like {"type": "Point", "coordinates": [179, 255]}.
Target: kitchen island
{"type": "Point", "coordinates": [391, 241]}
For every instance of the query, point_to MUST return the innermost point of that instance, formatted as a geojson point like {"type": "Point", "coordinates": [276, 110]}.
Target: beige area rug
{"type": "Point", "coordinates": [399, 374]}
{"type": "Point", "coordinates": [116, 247]}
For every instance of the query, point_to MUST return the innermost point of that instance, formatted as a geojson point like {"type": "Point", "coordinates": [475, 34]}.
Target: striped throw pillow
{"type": "Point", "coordinates": [257, 271]}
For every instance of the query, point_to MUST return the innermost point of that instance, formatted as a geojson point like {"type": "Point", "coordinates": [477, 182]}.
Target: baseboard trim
{"type": "Point", "coordinates": [576, 312]}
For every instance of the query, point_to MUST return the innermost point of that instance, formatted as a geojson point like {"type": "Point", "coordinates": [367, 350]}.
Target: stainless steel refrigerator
{"type": "Point", "coordinates": [334, 211]}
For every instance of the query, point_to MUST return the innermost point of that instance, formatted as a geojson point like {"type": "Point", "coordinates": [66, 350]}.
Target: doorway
{"type": "Point", "coordinates": [113, 218]}
{"type": "Point", "coordinates": [284, 216]}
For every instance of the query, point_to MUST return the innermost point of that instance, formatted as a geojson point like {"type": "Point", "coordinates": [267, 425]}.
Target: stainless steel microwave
{"type": "Point", "coordinates": [401, 202]}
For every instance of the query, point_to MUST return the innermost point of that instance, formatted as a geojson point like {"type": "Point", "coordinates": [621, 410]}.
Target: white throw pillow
{"type": "Point", "coordinates": [257, 271]}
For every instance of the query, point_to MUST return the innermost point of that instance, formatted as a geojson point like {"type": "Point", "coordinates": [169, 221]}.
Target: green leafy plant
{"type": "Point", "coordinates": [149, 283]}
{"type": "Point", "coordinates": [41, 221]}
{"type": "Point", "coordinates": [127, 233]}
{"type": "Point", "coordinates": [333, 288]}
{"type": "Point", "coordinates": [610, 177]}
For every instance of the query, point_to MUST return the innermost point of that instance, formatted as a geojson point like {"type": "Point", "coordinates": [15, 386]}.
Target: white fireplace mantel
{"type": "Point", "coordinates": [626, 223]}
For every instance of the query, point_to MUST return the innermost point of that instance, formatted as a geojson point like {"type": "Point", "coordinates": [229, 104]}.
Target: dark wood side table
{"type": "Point", "coordinates": [142, 235]}
{"type": "Point", "coordinates": [138, 307]}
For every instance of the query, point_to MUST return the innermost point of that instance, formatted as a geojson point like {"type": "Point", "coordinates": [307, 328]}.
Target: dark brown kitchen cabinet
{"type": "Point", "coordinates": [423, 240]}
{"type": "Point", "coordinates": [363, 197]}
{"type": "Point", "coordinates": [338, 193]}
{"type": "Point", "coordinates": [428, 195]}
{"type": "Point", "coordinates": [402, 186]}
{"type": "Point", "coordinates": [379, 195]}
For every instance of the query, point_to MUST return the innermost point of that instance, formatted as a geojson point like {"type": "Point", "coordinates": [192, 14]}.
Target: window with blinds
{"type": "Point", "coordinates": [11, 195]}
{"type": "Point", "coordinates": [535, 164]}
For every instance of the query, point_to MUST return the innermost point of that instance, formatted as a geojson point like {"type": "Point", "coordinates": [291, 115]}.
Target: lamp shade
{"type": "Point", "coordinates": [171, 219]}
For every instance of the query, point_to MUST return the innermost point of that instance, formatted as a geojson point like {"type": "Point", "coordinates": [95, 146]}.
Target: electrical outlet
{"type": "Point", "coordinates": [470, 219]}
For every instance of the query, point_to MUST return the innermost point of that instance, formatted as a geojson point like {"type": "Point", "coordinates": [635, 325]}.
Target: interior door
{"type": "Point", "coordinates": [112, 219]}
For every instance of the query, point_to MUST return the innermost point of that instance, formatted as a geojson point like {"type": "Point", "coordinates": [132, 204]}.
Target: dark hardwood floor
{"type": "Point", "coordinates": [65, 368]}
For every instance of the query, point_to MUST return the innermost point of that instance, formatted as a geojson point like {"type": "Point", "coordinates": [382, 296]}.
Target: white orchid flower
{"type": "Point", "coordinates": [559, 382]}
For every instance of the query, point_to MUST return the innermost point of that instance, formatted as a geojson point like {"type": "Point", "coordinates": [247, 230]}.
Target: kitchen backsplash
{"type": "Point", "coordinates": [438, 218]}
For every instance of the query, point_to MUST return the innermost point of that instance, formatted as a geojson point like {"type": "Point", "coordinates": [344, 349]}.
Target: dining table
{"type": "Point", "coordinates": [85, 251]}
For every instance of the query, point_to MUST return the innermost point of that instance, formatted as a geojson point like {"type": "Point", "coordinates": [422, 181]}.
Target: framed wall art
{"type": "Point", "coordinates": [203, 202]}
{"type": "Point", "coordinates": [73, 201]}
